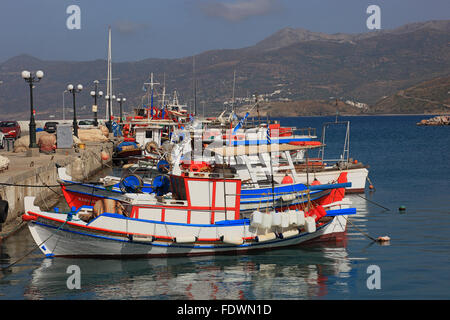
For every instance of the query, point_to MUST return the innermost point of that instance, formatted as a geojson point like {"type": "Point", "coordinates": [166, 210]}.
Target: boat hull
{"type": "Point", "coordinates": [357, 177]}
{"type": "Point", "coordinates": [72, 241]}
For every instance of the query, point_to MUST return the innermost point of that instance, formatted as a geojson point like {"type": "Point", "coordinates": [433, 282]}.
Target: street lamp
{"type": "Point", "coordinates": [109, 100]}
{"type": "Point", "coordinates": [120, 101]}
{"type": "Point", "coordinates": [96, 94]}
{"type": "Point", "coordinates": [73, 90]}
{"type": "Point", "coordinates": [28, 77]}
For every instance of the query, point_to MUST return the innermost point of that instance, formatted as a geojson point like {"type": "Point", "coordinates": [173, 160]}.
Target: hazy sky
{"type": "Point", "coordinates": [177, 28]}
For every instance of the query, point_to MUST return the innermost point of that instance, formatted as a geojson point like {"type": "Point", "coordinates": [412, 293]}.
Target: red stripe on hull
{"type": "Point", "coordinates": [77, 200]}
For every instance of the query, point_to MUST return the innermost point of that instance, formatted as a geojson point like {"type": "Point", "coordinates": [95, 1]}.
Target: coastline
{"type": "Point", "coordinates": [369, 115]}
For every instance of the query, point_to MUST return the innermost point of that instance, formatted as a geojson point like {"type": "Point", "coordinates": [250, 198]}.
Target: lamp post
{"type": "Point", "coordinates": [120, 101]}
{"type": "Point", "coordinates": [74, 90]}
{"type": "Point", "coordinates": [28, 77]}
{"type": "Point", "coordinates": [96, 94]}
{"type": "Point", "coordinates": [109, 101]}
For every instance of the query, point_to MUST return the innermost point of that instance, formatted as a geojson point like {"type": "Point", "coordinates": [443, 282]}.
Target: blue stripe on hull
{"type": "Point", "coordinates": [174, 245]}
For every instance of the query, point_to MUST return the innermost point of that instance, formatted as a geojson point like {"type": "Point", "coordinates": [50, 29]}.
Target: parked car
{"type": "Point", "coordinates": [50, 126]}
{"type": "Point", "coordinates": [11, 129]}
{"type": "Point", "coordinates": [86, 124]}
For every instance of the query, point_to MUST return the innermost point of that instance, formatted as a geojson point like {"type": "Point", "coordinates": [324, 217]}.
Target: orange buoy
{"type": "Point", "coordinates": [370, 187]}
{"type": "Point", "coordinates": [383, 239]}
{"type": "Point", "coordinates": [355, 161]}
{"type": "Point", "coordinates": [104, 156]}
{"type": "Point", "coordinates": [315, 182]}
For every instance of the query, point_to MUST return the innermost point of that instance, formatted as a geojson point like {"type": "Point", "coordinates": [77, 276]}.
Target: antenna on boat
{"type": "Point", "coordinates": [269, 145]}
{"type": "Point", "coordinates": [109, 90]}
{"type": "Point", "coordinates": [307, 179]}
{"type": "Point", "coordinates": [234, 85]}
{"type": "Point", "coordinates": [151, 84]}
{"type": "Point", "coordinates": [164, 91]}
{"type": "Point", "coordinates": [194, 85]}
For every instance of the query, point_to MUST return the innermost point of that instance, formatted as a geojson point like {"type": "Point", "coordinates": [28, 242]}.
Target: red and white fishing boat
{"type": "Point", "coordinates": [205, 222]}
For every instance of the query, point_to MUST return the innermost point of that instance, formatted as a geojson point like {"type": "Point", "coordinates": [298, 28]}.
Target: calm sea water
{"type": "Point", "coordinates": [409, 166]}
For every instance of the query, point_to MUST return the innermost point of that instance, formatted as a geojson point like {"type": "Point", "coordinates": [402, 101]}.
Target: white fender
{"type": "Point", "coordinates": [266, 237]}
{"type": "Point", "coordinates": [290, 233]}
{"type": "Point", "coordinates": [185, 239]}
{"type": "Point", "coordinates": [232, 240]}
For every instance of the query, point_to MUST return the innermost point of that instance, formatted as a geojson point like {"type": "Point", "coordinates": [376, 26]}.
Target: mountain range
{"type": "Point", "coordinates": [292, 64]}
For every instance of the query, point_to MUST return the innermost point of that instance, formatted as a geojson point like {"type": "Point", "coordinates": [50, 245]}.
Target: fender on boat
{"type": "Point", "coordinates": [266, 237]}
{"type": "Point", "coordinates": [232, 240]}
{"type": "Point", "coordinates": [288, 234]}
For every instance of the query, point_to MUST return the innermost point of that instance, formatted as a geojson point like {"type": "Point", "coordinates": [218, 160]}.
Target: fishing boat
{"type": "Point", "coordinates": [126, 149]}
{"type": "Point", "coordinates": [128, 189]}
{"type": "Point", "coordinates": [195, 225]}
{"type": "Point", "coordinates": [255, 193]}
{"type": "Point", "coordinates": [320, 169]}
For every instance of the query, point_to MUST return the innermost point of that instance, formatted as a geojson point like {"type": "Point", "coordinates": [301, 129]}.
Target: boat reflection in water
{"type": "Point", "coordinates": [294, 273]}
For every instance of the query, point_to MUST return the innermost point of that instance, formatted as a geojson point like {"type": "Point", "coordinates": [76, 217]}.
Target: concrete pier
{"type": "Point", "coordinates": [41, 170]}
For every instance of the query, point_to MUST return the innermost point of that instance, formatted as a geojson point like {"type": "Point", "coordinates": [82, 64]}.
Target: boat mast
{"type": "Point", "coordinates": [164, 91]}
{"type": "Point", "coordinates": [234, 84]}
{"type": "Point", "coordinates": [109, 87]}
{"type": "Point", "coordinates": [151, 83]}
{"type": "Point", "coordinates": [195, 86]}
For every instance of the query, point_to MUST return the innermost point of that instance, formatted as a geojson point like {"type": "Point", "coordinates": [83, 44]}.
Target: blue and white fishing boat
{"type": "Point", "coordinates": [196, 225]}
{"type": "Point", "coordinates": [256, 193]}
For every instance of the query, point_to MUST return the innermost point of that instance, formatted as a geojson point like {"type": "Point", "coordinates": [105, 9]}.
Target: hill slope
{"type": "Point", "coordinates": [297, 65]}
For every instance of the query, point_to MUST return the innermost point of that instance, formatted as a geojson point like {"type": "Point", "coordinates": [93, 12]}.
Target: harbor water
{"type": "Point", "coordinates": [409, 166]}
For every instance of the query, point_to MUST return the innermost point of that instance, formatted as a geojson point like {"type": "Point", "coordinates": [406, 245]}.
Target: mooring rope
{"type": "Point", "coordinates": [384, 239]}
{"type": "Point", "coordinates": [373, 202]}
{"type": "Point", "coordinates": [35, 246]}
{"type": "Point", "coordinates": [362, 232]}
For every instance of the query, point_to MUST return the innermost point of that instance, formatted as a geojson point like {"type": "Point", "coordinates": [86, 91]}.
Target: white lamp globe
{"type": "Point", "coordinates": [40, 74]}
{"type": "Point", "coordinates": [100, 93]}
{"type": "Point", "coordinates": [26, 74]}
{"type": "Point", "coordinates": [93, 93]}
{"type": "Point", "coordinates": [107, 97]}
{"type": "Point", "coordinates": [79, 87]}
{"type": "Point", "coordinates": [70, 87]}
{"type": "Point", "coordinates": [124, 99]}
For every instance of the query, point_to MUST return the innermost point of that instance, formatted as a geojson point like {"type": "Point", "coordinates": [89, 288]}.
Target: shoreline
{"type": "Point", "coordinates": [367, 115]}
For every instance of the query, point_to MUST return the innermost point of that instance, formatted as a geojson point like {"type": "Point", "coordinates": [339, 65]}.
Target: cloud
{"type": "Point", "coordinates": [239, 10]}
{"type": "Point", "coordinates": [128, 28]}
